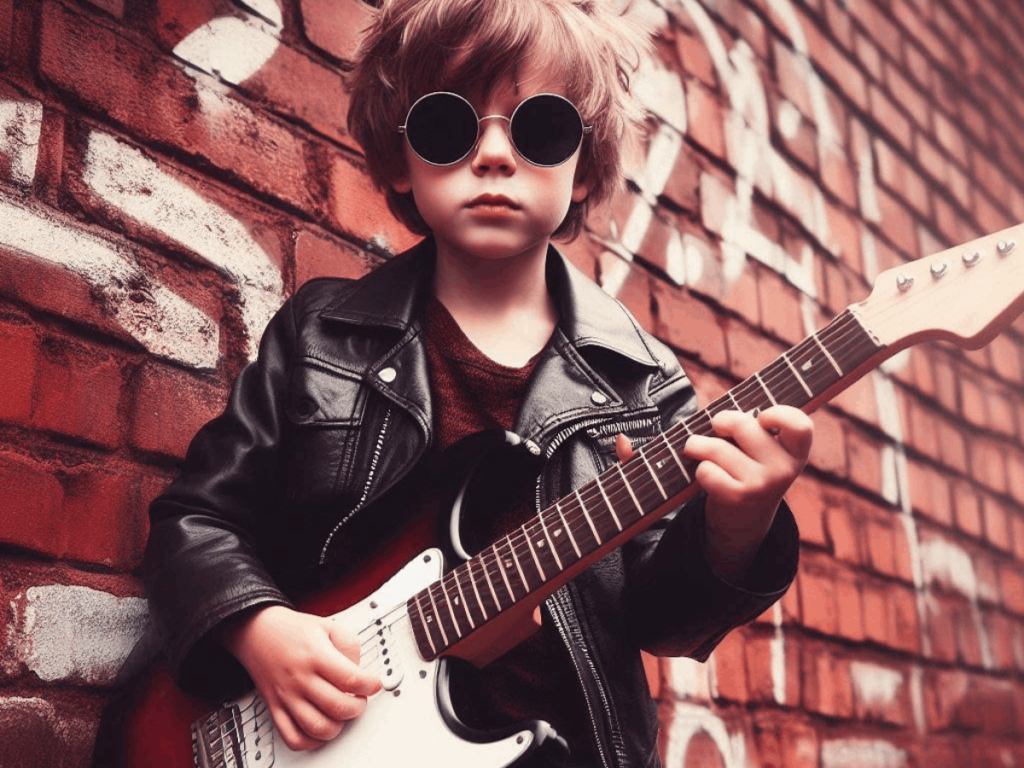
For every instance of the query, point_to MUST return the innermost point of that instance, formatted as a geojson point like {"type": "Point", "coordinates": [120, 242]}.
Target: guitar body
{"type": "Point", "coordinates": [409, 722]}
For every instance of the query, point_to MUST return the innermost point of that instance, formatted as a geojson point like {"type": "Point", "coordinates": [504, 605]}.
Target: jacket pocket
{"type": "Point", "coordinates": [325, 413]}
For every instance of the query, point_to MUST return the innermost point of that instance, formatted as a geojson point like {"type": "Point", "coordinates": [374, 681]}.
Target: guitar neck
{"type": "Point", "coordinates": [532, 561]}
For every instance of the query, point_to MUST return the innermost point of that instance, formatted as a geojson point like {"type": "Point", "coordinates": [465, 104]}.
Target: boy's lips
{"type": "Point", "coordinates": [492, 201]}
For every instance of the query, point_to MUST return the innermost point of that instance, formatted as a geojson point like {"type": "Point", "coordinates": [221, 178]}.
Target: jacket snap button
{"type": "Point", "coordinates": [387, 375]}
{"type": "Point", "coordinates": [599, 398]}
{"type": "Point", "coordinates": [305, 408]}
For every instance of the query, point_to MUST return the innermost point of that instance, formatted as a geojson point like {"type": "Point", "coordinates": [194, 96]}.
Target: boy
{"type": "Point", "coordinates": [492, 125]}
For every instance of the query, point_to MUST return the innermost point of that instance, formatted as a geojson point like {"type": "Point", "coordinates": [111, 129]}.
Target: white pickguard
{"type": "Point", "coordinates": [402, 724]}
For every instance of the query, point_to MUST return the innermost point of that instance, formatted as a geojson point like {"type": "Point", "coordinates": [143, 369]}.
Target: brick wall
{"type": "Point", "coordinates": [171, 169]}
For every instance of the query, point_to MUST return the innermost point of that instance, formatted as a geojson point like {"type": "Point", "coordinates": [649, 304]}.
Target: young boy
{"type": "Point", "coordinates": [492, 125]}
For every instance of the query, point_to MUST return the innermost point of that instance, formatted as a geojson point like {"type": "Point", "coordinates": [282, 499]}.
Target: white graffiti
{"type": "Point", "coordinates": [163, 322]}
{"type": "Point", "coordinates": [862, 753]}
{"type": "Point", "coordinates": [689, 720]}
{"type": "Point", "coordinates": [21, 123]}
{"type": "Point", "coordinates": [125, 178]}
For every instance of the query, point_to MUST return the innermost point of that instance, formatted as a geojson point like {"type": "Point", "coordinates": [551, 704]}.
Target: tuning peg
{"type": "Point", "coordinates": [1006, 247]}
{"type": "Point", "coordinates": [904, 282]}
{"type": "Point", "coordinates": [971, 258]}
{"type": "Point", "coordinates": [939, 268]}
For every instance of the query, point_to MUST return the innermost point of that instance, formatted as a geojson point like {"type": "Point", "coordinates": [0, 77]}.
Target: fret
{"type": "Point", "coordinates": [424, 623]}
{"type": "Point", "coordinates": [608, 503]}
{"type": "Point", "coordinates": [749, 394]}
{"type": "Point", "coordinates": [767, 391]}
{"type": "Point", "coordinates": [436, 616]}
{"type": "Point", "coordinates": [568, 532]}
{"type": "Point", "coordinates": [462, 598]}
{"type": "Point", "coordinates": [661, 459]}
{"type": "Point", "coordinates": [733, 399]}
{"type": "Point", "coordinates": [679, 462]}
{"type": "Point", "coordinates": [503, 572]}
{"type": "Point", "coordinates": [814, 367]}
{"type": "Point", "coordinates": [551, 544]}
{"type": "Point", "coordinates": [550, 562]}
{"type": "Point", "coordinates": [630, 489]}
{"type": "Point", "coordinates": [491, 585]}
{"type": "Point", "coordinates": [657, 482]}
{"type": "Point", "coordinates": [786, 384]}
{"type": "Point", "coordinates": [699, 423]}
{"type": "Point", "coordinates": [796, 373]}
{"type": "Point", "coordinates": [583, 509]}
{"type": "Point", "coordinates": [533, 553]}
{"type": "Point", "coordinates": [828, 355]}
{"type": "Point", "coordinates": [515, 560]}
{"type": "Point", "coordinates": [453, 623]}
{"type": "Point", "coordinates": [476, 591]}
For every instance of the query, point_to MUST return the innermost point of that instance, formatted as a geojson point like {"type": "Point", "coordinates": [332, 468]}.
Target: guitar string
{"type": "Point", "coordinates": [779, 379]}
{"type": "Point", "coordinates": [660, 449]}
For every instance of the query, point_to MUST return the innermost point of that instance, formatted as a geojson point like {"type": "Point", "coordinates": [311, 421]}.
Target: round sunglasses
{"type": "Point", "coordinates": [442, 128]}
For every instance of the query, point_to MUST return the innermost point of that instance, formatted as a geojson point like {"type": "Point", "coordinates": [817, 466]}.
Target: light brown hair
{"type": "Point", "coordinates": [415, 47]}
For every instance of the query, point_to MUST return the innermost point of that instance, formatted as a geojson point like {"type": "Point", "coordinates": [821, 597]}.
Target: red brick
{"type": "Point", "coordinates": [828, 451]}
{"type": "Point", "coordinates": [336, 26]}
{"type": "Point", "coordinates": [748, 350]}
{"type": "Point", "coordinates": [906, 621]}
{"type": "Point", "coordinates": [837, 66]}
{"type": "Point", "coordinates": [1002, 633]}
{"type": "Point", "coordinates": [942, 617]}
{"type": "Point", "coordinates": [730, 668]}
{"type": "Point", "coordinates": [114, 76]}
{"type": "Point", "coordinates": [704, 119]}
{"type": "Point", "coordinates": [844, 523]}
{"type": "Point", "coordinates": [890, 117]}
{"type": "Point", "coordinates": [866, 457]}
{"type": "Point", "coordinates": [6, 31]}
{"type": "Point", "coordinates": [952, 444]}
{"type": "Point", "coordinates": [991, 217]}
{"type": "Point", "coordinates": [967, 509]}
{"type": "Point", "coordinates": [844, 231]}
{"type": "Point", "coordinates": [839, 178]}
{"type": "Point", "coordinates": [782, 316]}
{"type": "Point", "coordinates": [878, 621]}
{"type": "Point", "coordinates": [1015, 471]}
{"type": "Point", "coordinates": [851, 607]}
{"type": "Point", "coordinates": [694, 57]}
{"type": "Point", "coordinates": [818, 601]}
{"type": "Point", "coordinates": [169, 407]}
{"type": "Point", "coordinates": [988, 462]}
{"type": "Point", "coordinates": [758, 666]}
{"type": "Point", "coordinates": [929, 492]}
{"type": "Point", "coordinates": [898, 224]}
{"type": "Point", "coordinates": [32, 499]}
{"type": "Point", "coordinates": [783, 741]}
{"type": "Point", "coordinates": [355, 207]}
{"type": "Point", "coordinates": [808, 504]}
{"type": "Point", "coordinates": [1007, 353]}
{"type": "Point", "coordinates": [905, 182]}
{"type": "Point", "coordinates": [290, 82]}
{"type": "Point", "coordinates": [1011, 586]}
{"type": "Point", "coordinates": [19, 359]}
{"type": "Point", "coordinates": [791, 75]}
{"type": "Point", "coordinates": [79, 394]}
{"type": "Point", "coordinates": [828, 688]}
{"type": "Point", "coordinates": [683, 185]}
{"type": "Point", "coordinates": [868, 55]}
{"type": "Point", "coordinates": [690, 325]}
{"type": "Point", "coordinates": [98, 501]}
{"type": "Point", "coordinates": [634, 291]}
{"type": "Point", "coordinates": [859, 400]}
{"type": "Point", "coordinates": [319, 255]}
{"type": "Point", "coordinates": [997, 524]}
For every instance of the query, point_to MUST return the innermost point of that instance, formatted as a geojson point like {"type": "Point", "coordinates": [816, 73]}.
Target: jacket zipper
{"type": "Point", "coordinates": [374, 459]}
{"type": "Point", "coordinates": [559, 619]}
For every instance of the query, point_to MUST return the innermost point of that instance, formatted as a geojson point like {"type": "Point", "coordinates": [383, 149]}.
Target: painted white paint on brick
{"type": "Point", "coordinates": [875, 684]}
{"type": "Point", "coordinates": [163, 322]}
{"type": "Point", "coordinates": [690, 719]}
{"type": "Point", "coordinates": [948, 565]}
{"type": "Point", "coordinates": [862, 753]}
{"type": "Point", "coordinates": [687, 679]}
{"type": "Point", "coordinates": [74, 633]}
{"type": "Point", "coordinates": [778, 652]}
{"type": "Point", "coordinates": [233, 48]}
{"type": "Point", "coordinates": [21, 123]}
{"type": "Point", "coordinates": [125, 178]}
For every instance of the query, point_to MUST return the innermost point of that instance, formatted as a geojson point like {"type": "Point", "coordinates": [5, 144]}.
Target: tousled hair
{"type": "Point", "coordinates": [414, 47]}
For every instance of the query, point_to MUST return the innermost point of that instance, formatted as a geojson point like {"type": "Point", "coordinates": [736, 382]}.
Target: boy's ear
{"type": "Point", "coordinates": [580, 190]}
{"type": "Point", "coordinates": [401, 185]}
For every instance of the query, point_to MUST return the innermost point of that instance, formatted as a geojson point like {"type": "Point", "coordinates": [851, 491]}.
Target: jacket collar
{"type": "Point", "coordinates": [391, 296]}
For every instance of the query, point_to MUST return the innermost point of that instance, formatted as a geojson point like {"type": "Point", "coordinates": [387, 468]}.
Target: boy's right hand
{"type": "Point", "coordinates": [307, 669]}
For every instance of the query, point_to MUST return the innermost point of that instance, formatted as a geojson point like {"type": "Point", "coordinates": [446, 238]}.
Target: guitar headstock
{"type": "Point", "coordinates": [966, 294]}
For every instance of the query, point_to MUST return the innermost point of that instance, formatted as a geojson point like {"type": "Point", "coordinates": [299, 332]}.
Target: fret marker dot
{"type": "Point", "coordinates": [558, 533]}
{"type": "Point", "coordinates": [540, 543]}
{"type": "Point", "coordinates": [807, 366]}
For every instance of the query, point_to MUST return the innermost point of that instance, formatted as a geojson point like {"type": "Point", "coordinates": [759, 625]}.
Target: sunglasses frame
{"type": "Point", "coordinates": [508, 130]}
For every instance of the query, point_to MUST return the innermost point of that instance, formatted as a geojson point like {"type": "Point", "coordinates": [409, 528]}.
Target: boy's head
{"type": "Point", "coordinates": [417, 47]}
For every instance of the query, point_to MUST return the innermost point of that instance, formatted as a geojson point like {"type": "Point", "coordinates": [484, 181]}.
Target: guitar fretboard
{"type": "Point", "coordinates": [523, 563]}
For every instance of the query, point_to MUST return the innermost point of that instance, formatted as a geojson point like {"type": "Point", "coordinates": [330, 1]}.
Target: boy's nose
{"type": "Point", "coordinates": [494, 149]}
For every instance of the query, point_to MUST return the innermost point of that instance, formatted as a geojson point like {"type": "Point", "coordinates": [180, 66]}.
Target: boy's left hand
{"type": "Point", "coordinates": [745, 469]}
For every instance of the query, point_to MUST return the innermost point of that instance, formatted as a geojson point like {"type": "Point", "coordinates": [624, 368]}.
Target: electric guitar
{"type": "Point", "coordinates": [412, 619]}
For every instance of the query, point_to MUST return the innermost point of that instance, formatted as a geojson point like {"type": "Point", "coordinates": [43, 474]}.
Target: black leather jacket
{"type": "Point", "coordinates": [337, 409]}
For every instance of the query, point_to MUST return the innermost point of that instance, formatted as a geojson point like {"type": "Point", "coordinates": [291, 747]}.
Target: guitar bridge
{"type": "Point", "coordinates": [237, 735]}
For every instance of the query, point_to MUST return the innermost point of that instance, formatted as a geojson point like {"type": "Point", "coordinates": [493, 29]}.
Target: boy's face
{"type": "Point", "coordinates": [493, 204]}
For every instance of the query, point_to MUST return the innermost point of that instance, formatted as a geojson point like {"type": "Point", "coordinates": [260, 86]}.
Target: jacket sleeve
{"type": "Point", "coordinates": [203, 563]}
{"type": "Point", "coordinates": [679, 604]}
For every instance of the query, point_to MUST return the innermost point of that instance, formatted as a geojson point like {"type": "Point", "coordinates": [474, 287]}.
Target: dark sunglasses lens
{"type": "Point", "coordinates": [546, 129]}
{"type": "Point", "coordinates": [441, 128]}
